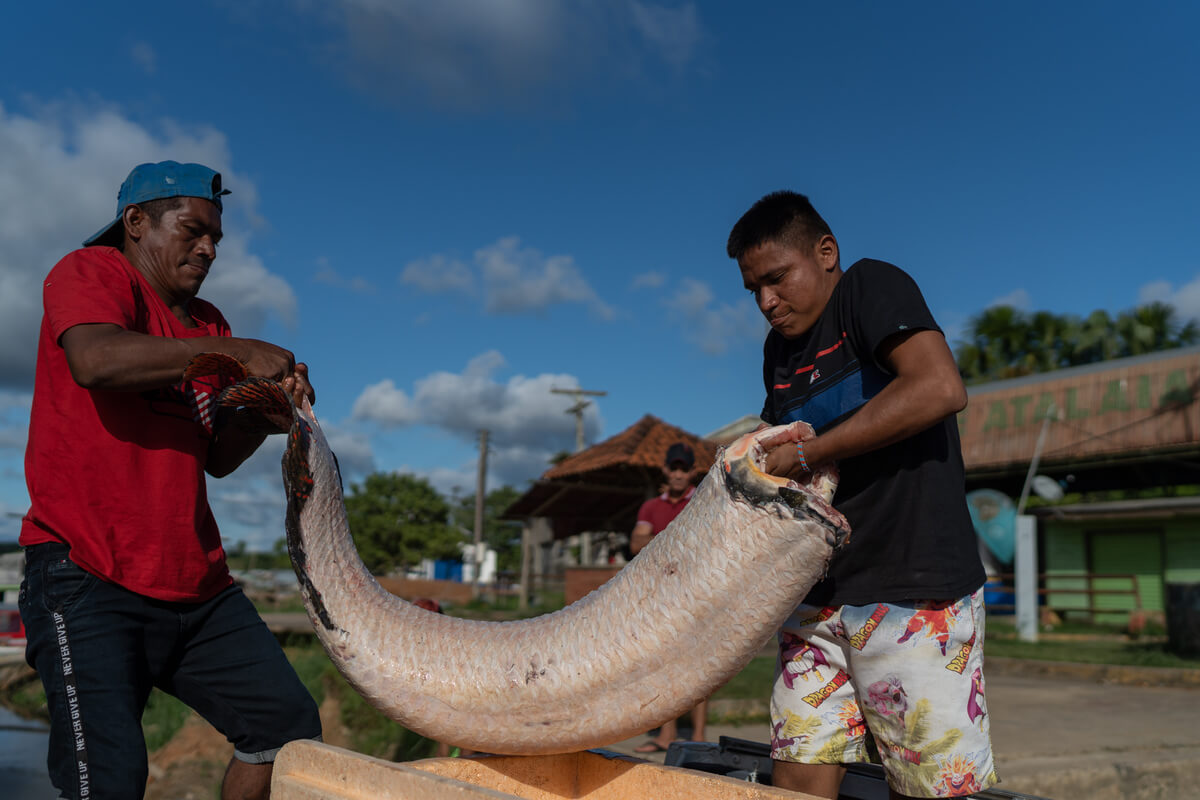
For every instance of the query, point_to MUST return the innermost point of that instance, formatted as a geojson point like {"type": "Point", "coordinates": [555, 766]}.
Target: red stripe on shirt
{"type": "Point", "coordinates": [824, 352]}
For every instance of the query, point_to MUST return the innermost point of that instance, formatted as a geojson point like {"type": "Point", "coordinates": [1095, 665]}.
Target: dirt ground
{"type": "Point", "coordinates": [192, 764]}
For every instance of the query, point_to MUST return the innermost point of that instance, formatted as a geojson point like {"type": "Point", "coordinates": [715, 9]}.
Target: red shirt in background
{"type": "Point", "coordinates": [119, 476]}
{"type": "Point", "coordinates": [660, 511]}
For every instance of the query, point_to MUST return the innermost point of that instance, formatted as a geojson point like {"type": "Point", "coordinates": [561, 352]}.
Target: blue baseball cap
{"type": "Point", "coordinates": [155, 181]}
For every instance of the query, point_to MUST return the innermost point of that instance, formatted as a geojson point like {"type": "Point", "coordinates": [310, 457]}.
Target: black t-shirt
{"type": "Point", "coordinates": [911, 536]}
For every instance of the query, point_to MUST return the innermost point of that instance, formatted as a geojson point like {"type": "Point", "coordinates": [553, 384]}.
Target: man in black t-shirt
{"type": "Point", "coordinates": [884, 660]}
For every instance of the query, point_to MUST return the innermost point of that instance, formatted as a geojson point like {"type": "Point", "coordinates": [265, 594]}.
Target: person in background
{"type": "Point", "coordinates": [126, 587]}
{"type": "Point", "coordinates": [653, 518]}
{"type": "Point", "coordinates": [883, 661]}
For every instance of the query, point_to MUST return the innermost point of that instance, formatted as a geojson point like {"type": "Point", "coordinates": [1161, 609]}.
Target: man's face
{"type": "Point", "coordinates": [179, 250]}
{"type": "Point", "coordinates": [790, 285]}
{"type": "Point", "coordinates": [678, 477]}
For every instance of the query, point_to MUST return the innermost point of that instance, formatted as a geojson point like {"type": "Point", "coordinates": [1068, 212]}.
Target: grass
{"type": "Point", "coordinates": [374, 734]}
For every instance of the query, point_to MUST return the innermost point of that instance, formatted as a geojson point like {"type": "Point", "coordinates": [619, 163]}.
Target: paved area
{"type": "Point", "coordinates": [1063, 736]}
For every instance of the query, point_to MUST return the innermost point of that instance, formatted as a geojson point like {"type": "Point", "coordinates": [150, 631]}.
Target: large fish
{"type": "Point", "coordinates": [683, 617]}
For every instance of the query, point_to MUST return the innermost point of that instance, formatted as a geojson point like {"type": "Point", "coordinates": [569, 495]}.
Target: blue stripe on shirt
{"type": "Point", "coordinates": [839, 399]}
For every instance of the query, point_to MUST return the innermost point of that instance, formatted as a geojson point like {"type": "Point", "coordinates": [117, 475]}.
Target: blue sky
{"type": "Point", "coordinates": [449, 208]}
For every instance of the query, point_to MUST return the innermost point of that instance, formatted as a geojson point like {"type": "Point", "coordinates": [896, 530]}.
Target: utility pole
{"type": "Point", "coordinates": [585, 538]}
{"type": "Point", "coordinates": [577, 410]}
{"type": "Point", "coordinates": [480, 488]}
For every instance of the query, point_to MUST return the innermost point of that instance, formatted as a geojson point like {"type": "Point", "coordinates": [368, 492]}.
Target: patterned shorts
{"type": "Point", "coordinates": [909, 674]}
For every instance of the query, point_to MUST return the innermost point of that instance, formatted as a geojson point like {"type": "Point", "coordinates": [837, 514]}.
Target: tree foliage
{"type": "Point", "coordinates": [503, 536]}
{"type": "Point", "coordinates": [397, 520]}
{"type": "Point", "coordinates": [1004, 342]}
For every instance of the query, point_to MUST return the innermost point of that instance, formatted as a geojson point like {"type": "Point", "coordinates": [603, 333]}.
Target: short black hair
{"type": "Point", "coordinates": [154, 209]}
{"type": "Point", "coordinates": [786, 217]}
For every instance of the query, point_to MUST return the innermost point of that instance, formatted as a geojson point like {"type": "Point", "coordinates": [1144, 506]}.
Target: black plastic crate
{"type": "Point", "coordinates": [751, 761]}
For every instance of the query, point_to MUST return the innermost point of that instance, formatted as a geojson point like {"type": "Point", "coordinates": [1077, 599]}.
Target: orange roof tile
{"type": "Point", "coordinates": [643, 444]}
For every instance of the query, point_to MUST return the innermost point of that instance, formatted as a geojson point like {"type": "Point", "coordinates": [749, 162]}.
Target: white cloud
{"type": "Point", "coordinates": [515, 279]}
{"type": "Point", "coordinates": [1017, 298]}
{"type": "Point", "coordinates": [674, 32]}
{"type": "Point", "coordinates": [250, 504]}
{"type": "Point", "coordinates": [14, 420]}
{"type": "Point", "coordinates": [455, 51]}
{"type": "Point", "coordinates": [438, 273]}
{"type": "Point", "coordinates": [527, 423]}
{"type": "Point", "coordinates": [465, 53]}
{"type": "Point", "coordinates": [10, 521]}
{"type": "Point", "coordinates": [144, 56]}
{"type": "Point", "coordinates": [648, 280]}
{"type": "Point", "coordinates": [59, 176]}
{"type": "Point", "coordinates": [329, 276]}
{"type": "Point", "coordinates": [518, 279]}
{"type": "Point", "coordinates": [1185, 300]}
{"type": "Point", "coordinates": [386, 405]}
{"type": "Point", "coordinates": [710, 325]}
{"type": "Point", "coordinates": [511, 465]}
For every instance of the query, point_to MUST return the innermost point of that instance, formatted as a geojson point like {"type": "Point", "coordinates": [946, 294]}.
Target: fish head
{"type": "Point", "coordinates": [744, 467]}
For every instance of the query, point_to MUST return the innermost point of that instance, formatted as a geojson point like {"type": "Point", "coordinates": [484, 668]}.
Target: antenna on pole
{"type": "Point", "coordinates": [577, 410]}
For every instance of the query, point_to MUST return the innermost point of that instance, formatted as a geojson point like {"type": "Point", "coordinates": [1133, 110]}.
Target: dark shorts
{"type": "Point", "coordinates": [99, 650]}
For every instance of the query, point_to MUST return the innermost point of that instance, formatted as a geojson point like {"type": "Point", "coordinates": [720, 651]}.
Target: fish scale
{"type": "Point", "coordinates": [676, 623]}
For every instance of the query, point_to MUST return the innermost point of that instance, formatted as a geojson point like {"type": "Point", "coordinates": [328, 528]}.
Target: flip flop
{"type": "Point", "coordinates": [650, 747]}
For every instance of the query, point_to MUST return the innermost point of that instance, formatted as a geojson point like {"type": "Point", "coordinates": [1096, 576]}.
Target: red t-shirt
{"type": "Point", "coordinates": [659, 511]}
{"type": "Point", "coordinates": [119, 476]}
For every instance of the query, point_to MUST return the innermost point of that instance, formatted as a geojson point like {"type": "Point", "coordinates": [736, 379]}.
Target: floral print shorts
{"type": "Point", "coordinates": [894, 683]}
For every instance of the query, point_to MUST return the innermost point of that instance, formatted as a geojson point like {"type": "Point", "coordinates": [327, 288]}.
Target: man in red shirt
{"type": "Point", "coordinates": [653, 518]}
{"type": "Point", "coordinates": [126, 587]}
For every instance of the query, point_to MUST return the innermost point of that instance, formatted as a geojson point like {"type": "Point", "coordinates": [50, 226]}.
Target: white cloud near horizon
{"type": "Point", "coordinates": [60, 169]}
{"type": "Point", "coordinates": [1184, 299]}
{"type": "Point", "coordinates": [648, 280]}
{"type": "Point", "coordinates": [710, 325]}
{"type": "Point", "coordinates": [1019, 299]}
{"type": "Point", "coordinates": [514, 279]}
{"type": "Point", "coordinates": [329, 276]}
{"type": "Point", "coordinates": [527, 423]}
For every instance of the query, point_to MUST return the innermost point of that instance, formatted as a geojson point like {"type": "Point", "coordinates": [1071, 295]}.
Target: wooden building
{"type": "Point", "coordinates": [1129, 424]}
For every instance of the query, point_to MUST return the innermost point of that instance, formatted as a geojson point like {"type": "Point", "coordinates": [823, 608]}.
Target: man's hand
{"type": "Point", "coordinates": [784, 460]}
{"type": "Point", "coordinates": [298, 386]}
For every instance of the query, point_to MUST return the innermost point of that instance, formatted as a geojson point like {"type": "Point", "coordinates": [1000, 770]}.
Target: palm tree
{"type": "Point", "coordinates": [1004, 342]}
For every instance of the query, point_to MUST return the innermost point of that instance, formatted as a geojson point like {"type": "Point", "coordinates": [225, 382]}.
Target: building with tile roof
{"type": "Point", "coordinates": [602, 488]}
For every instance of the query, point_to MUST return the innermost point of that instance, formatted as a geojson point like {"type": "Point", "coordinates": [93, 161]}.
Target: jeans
{"type": "Point", "coordinates": [99, 650]}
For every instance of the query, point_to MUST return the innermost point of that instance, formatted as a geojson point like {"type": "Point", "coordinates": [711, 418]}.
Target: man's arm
{"type": "Point", "coordinates": [641, 536]}
{"type": "Point", "coordinates": [107, 356]}
{"type": "Point", "coordinates": [926, 388]}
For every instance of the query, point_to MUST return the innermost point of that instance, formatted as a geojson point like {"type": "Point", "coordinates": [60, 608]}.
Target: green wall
{"type": "Point", "coordinates": [1152, 549]}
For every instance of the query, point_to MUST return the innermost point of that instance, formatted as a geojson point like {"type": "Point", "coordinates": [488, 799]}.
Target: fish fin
{"type": "Point", "coordinates": [261, 404]}
{"type": "Point", "coordinates": [205, 364]}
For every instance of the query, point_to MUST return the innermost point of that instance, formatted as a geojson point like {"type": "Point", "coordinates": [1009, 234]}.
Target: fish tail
{"type": "Point", "coordinates": [205, 364]}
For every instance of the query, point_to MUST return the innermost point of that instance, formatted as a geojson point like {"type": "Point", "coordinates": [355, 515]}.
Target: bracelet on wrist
{"type": "Point", "coordinates": [800, 454]}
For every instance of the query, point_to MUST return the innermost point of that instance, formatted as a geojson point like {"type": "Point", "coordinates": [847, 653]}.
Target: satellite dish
{"type": "Point", "coordinates": [1047, 488]}
{"type": "Point", "coordinates": [995, 519]}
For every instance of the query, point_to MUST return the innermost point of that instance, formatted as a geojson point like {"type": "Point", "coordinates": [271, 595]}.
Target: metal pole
{"type": "Point", "coordinates": [1025, 567]}
{"type": "Point", "coordinates": [523, 599]}
{"type": "Point", "coordinates": [480, 489]}
{"type": "Point", "coordinates": [577, 410]}
{"type": "Point", "coordinates": [585, 538]}
{"type": "Point", "coordinates": [1051, 413]}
